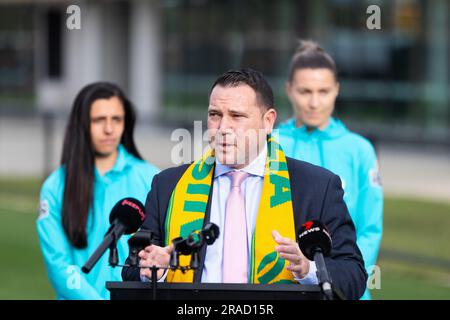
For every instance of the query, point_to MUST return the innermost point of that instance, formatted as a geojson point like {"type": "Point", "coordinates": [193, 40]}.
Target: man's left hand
{"type": "Point", "coordinates": [288, 249]}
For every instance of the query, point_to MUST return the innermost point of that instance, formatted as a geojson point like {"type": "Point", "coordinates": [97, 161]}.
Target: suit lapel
{"type": "Point", "coordinates": [295, 195]}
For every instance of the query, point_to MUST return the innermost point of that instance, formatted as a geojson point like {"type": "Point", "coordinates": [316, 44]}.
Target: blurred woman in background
{"type": "Point", "coordinates": [313, 135]}
{"type": "Point", "coordinates": [100, 165]}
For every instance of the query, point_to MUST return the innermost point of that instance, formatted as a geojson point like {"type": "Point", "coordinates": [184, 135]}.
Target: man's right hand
{"type": "Point", "coordinates": [154, 256]}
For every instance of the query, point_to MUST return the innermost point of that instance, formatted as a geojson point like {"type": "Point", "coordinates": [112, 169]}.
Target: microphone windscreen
{"type": "Point", "coordinates": [313, 234]}
{"type": "Point", "coordinates": [129, 212]}
{"type": "Point", "coordinates": [210, 233]}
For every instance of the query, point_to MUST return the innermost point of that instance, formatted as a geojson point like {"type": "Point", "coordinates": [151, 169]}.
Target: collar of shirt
{"type": "Point", "coordinates": [121, 163]}
{"type": "Point", "coordinates": [255, 168]}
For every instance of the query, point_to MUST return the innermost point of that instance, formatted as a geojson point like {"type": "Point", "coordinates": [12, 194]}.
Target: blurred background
{"type": "Point", "coordinates": [395, 89]}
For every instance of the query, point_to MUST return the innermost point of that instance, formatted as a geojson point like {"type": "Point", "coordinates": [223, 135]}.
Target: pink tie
{"type": "Point", "coordinates": [235, 248]}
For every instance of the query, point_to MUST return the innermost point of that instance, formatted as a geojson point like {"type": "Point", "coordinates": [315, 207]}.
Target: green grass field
{"type": "Point", "coordinates": [411, 226]}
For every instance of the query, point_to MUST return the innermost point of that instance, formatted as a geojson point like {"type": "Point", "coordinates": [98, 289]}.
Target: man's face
{"type": "Point", "coordinates": [107, 125]}
{"type": "Point", "coordinates": [237, 125]}
{"type": "Point", "coordinates": [313, 93]}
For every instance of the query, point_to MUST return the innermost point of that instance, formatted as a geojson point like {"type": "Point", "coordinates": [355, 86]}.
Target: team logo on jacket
{"type": "Point", "coordinates": [374, 176]}
{"type": "Point", "coordinates": [44, 209]}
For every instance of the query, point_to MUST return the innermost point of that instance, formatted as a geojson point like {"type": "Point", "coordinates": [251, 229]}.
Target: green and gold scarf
{"type": "Point", "coordinates": [187, 207]}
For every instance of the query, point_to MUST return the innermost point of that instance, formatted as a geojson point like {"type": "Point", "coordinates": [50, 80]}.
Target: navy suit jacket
{"type": "Point", "coordinates": [316, 195]}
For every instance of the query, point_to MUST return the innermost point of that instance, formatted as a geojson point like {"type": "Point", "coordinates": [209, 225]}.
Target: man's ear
{"type": "Point", "coordinates": [269, 118]}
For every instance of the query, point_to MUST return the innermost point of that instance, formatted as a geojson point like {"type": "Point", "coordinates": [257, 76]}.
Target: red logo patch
{"type": "Point", "coordinates": [308, 225]}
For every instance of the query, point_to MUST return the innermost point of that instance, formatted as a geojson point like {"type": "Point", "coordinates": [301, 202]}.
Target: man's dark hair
{"type": "Point", "coordinates": [78, 157]}
{"type": "Point", "coordinates": [253, 79]}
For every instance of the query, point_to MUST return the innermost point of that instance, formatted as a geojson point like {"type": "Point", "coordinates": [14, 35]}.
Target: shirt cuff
{"type": "Point", "coordinates": [311, 277]}
{"type": "Point", "coordinates": [163, 278]}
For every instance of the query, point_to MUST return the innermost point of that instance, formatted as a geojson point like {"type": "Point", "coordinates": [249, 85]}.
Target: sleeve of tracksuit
{"type": "Point", "coordinates": [66, 278]}
{"type": "Point", "coordinates": [369, 222]}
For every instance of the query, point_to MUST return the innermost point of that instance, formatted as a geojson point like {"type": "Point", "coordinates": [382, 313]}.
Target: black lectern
{"type": "Point", "coordinates": [134, 290]}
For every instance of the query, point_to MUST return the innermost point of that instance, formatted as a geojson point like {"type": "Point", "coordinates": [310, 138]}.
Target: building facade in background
{"type": "Point", "coordinates": [166, 53]}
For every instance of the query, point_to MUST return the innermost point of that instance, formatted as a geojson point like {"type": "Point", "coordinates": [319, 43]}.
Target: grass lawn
{"type": "Point", "coordinates": [417, 227]}
{"type": "Point", "coordinates": [409, 282]}
{"type": "Point", "coordinates": [22, 271]}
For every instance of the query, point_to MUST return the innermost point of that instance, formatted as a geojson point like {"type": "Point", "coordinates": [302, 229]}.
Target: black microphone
{"type": "Point", "coordinates": [140, 240]}
{"type": "Point", "coordinates": [125, 218]}
{"type": "Point", "coordinates": [314, 236]}
{"type": "Point", "coordinates": [314, 241]}
{"type": "Point", "coordinates": [192, 245]}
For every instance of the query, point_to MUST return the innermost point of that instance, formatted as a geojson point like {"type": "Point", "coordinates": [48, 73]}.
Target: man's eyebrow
{"type": "Point", "coordinates": [235, 111]}
{"type": "Point", "coordinates": [212, 108]}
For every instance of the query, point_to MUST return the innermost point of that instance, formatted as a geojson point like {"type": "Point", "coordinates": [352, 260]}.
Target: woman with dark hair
{"type": "Point", "coordinates": [315, 136]}
{"type": "Point", "coordinates": [100, 165]}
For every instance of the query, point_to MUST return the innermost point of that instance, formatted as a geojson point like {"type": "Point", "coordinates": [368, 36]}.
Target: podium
{"type": "Point", "coordinates": [134, 290]}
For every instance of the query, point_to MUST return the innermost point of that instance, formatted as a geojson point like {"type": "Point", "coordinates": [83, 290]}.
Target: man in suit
{"type": "Point", "coordinates": [258, 207]}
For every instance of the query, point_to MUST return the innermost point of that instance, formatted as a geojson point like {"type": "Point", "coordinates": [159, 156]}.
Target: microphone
{"type": "Point", "coordinates": [314, 236]}
{"type": "Point", "coordinates": [140, 240]}
{"type": "Point", "coordinates": [192, 245]}
{"type": "Point", "coordinates": [126, 217]}
{"type": "Point", "coordinates": [208, 235]}
{"type": "Point", "coordinates": [315, 242]}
